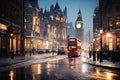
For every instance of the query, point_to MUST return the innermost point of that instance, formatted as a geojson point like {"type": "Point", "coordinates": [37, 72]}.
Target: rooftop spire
{"type": "Point", "coordinates": [79, 18]}
{"type": "Point", "coordinates": [57, 6]}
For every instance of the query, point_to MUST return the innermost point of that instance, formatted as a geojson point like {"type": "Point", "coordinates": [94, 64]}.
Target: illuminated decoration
{"type": "Point", "coordinates": [3, 27]}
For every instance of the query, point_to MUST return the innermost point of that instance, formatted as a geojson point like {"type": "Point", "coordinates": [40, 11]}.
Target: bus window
{"type": "Point", "coordinates": [72, 47]}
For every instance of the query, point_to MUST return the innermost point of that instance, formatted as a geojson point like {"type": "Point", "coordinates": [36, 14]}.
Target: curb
{"type": "Point", "coordinates": [107, 67]}
{"type": "Point", "coordinates": [8, 64]}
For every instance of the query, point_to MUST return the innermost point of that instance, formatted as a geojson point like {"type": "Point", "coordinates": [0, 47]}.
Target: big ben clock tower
{"type": "Point", "coordinates": [79, 30]}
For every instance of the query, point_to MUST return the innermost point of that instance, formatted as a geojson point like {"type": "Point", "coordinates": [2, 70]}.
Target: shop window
{"type": "Point", "coordinates": [110, 44]}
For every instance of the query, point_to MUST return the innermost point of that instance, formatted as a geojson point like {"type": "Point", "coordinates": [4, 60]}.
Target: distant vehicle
{"type": "Point", "coordinates": [62, 50]}
{"type": "Point", "coordinates": [74, 47]}
{"type": "Point", "coordinates": [54, 49]}
{"type": "Point", "coordinates": [41, 51]}
{"type": "Point", "coordinates": [48, 51]}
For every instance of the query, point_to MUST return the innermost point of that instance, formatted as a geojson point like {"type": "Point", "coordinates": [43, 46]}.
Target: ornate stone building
{"type": "Point", "coordinates": [44, 29]}
{"type": "Point", "coordinates": [32, 25]}
{"type": "Point", "coordinates": [12, 31]}
{"type": "Point", "coordinates": [54, 26]}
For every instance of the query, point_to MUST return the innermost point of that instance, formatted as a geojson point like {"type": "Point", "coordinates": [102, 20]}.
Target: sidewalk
{"type": "Point", "coordinates": [106, 64]}
{"type": "Point", "coordinates": [9, 61]}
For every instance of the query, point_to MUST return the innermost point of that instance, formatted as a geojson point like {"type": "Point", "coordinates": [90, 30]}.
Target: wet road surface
{"type": "Point", "coordinates": [66, 69]}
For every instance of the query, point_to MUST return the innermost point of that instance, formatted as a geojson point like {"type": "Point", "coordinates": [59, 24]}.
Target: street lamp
{"type": "Point", "coordinates": [101, 32]}
{"type": "Point", "coordinates": [12, 50]}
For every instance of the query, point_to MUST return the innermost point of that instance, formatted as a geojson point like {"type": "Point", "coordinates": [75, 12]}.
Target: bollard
{"type": "Point", "coordinates": [101, 56]}
{"type": "Point", "coordinates": [94, 55]}
{"type": "Point", "coordinates": [90, 54]}
{"type": "Point", "coordinates": [98, 55]}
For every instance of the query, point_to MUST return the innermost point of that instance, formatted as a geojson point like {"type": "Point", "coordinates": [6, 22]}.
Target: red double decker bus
{"type": "Point", "coordinates": [74, 47]}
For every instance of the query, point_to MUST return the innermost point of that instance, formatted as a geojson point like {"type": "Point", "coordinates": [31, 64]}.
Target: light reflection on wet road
{"type": "Point", "coordinates": [66, 69]}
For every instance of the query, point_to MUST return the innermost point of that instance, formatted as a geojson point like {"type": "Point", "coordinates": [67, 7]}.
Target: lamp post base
{"type": "Point", "coordinates": [12, 54]}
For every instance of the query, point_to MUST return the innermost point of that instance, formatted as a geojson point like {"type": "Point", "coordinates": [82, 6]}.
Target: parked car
{"type": "Point", "coordinates": [54, 49]}
{"type": "Point", "coordinates": [62, 50]}
{"type": "Point", "coordinates": [41, 51]}
{"type": "Point", "coordinates": [48, 51]}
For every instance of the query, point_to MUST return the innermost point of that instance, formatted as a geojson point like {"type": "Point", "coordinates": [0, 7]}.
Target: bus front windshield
{"type": "Point", "coordinates": [72, 47]}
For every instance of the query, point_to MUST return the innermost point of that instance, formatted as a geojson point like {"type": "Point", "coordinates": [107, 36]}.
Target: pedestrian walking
{"type": "Point", "coordinates": [33, 50]}
{"type": "Point", "coordinates": [30, 52]}
{"type": "Point", "coordinates": [53, 52]}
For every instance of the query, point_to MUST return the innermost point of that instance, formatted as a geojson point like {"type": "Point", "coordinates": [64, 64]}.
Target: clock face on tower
{"type": "Point", "coordinates": [78, 25]}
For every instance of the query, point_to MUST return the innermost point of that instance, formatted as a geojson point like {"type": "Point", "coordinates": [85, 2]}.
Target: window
{"type": "Point", "coordinates": [72, 47]}
{"type": "Point", "coordinates": [118, 44]}
{"type": "Point", "coordinates": [110, 22]}
{"type": "Point", "coordinates": [110, 43]}
{"type": "Point", "coordinates": [118, 22]}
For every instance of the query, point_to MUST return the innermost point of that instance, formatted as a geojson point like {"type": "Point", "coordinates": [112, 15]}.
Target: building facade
{"type": "Point", "coordinates": [12, 31]}
{"type": "Point", "coordinates": [96, 28]}
{"type": "Point", "coordinates": [32, 25]}
{"type": "Point", "coordinates": [109, 16]}
{"type": "Point", "coordinates": [79, 30]}
{"type": "Point", "coordinates": [45, 29]}
{"type": "Point", "coordinates": [54, 26]}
